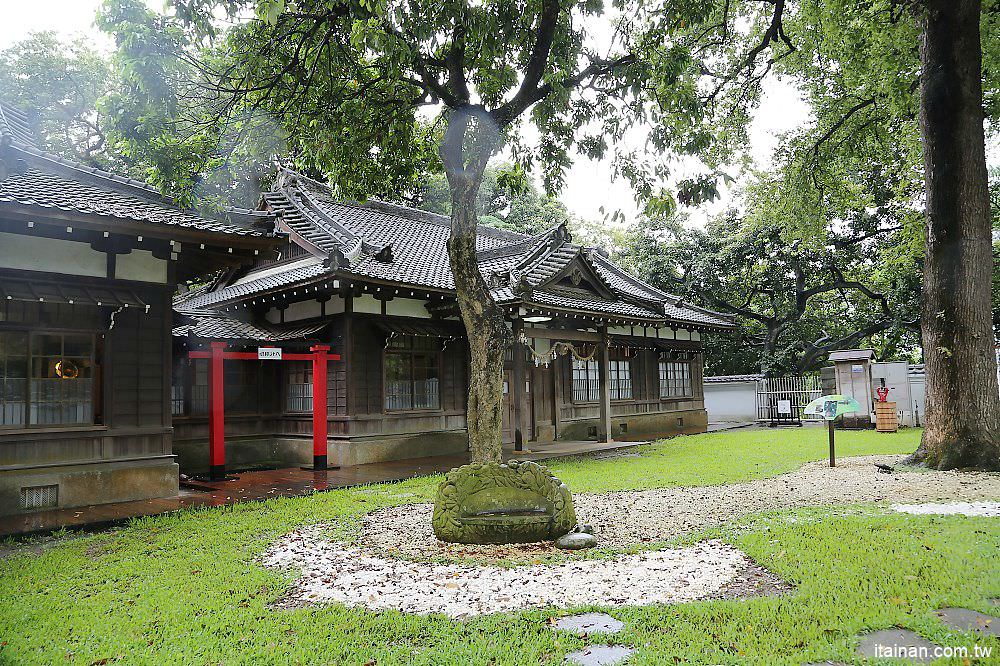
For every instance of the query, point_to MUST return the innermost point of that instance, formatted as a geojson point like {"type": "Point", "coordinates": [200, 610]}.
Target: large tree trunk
{"type": "Point", "coordinates": [467, 147]}
{"type": "Point", "coordinates": [962, 408]}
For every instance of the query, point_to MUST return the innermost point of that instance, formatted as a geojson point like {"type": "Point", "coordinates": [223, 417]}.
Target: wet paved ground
{"type": "Point", "coordinates": [265, 484]}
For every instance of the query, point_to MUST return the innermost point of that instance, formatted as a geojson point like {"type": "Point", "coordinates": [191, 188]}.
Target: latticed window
{"type": "Point", "coordinates": [675, 379]}
{"type": "Point", "coordinates": [177, 389]}
{"type": "Point", "coordinates": [176, 400]}
{"type": "Point", "coordinates": [299, 389]}
{"type": "Point", "coordinates": [412, 373]}
{"type": "Point", "coordinates": [46, 378]}
{"type": "Point", "coordinates": [621, 379]}
{"type": "Point", "coordinates": [586, 380]}
{"type": "Point", "coordinates": [199, 386]}
{"type": "Point", "coordinates": [14, 377]}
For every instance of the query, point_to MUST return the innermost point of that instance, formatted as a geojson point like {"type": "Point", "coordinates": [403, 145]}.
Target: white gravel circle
{"type": "Point", "coordinates": [334, 572]}
{"type": "Point", "coordinates": [985, 509]}
{"type": "Point", "coordinates": [389, 569]}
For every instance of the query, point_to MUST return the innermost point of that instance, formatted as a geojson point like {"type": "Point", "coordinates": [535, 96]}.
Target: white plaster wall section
{"type": "Point", "coordinates": [141, 266]}
{"type": "Point", "coordinates": [407, 307]}
{"type": "Point", "coordinates": [367, 304]}
{"type": "Point", "coordinates": [52, 255]}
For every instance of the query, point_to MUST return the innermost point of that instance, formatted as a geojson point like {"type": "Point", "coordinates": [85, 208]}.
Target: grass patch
{"type": "Point", "coordinates": [185, 587]}
{"type": "Point", "coordinates": [725, 457]}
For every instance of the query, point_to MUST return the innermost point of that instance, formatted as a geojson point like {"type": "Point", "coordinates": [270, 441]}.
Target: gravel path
{"type": "Point", "coordinates": [334, 572]}
{"type": "Point", "coordinates": [626, 518]}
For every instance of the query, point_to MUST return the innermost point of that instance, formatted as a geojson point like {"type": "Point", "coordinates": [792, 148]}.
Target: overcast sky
{"type": "Point", "coordinates": [589, 184]}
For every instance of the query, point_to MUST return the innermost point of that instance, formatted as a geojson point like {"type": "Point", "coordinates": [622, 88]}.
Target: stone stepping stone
{"type": "Point", "coordinates": [972, 621]}
{"type": "Point", "coordinates": [902, 644]}
{"type": "Point", "coordinates": [600, 655]}
{"type": "Point", "coordinates": [589, 623]}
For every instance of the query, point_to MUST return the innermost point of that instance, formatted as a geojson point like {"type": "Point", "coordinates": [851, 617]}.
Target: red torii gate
{"type": "Point", "coordinates": [216, 399]}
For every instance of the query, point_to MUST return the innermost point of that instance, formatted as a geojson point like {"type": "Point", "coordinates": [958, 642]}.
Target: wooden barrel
{"type": "Point", "coordinates": [886, 419]}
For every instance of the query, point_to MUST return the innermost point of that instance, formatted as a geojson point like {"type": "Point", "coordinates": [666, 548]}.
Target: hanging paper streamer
{"type": "Point", "coordinates": [586, 352]}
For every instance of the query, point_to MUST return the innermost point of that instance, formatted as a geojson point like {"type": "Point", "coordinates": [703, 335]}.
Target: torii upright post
{"type": "Point", "coordinates": [216, 413]}
{"type": "Point", "coordinates": [320, 422]}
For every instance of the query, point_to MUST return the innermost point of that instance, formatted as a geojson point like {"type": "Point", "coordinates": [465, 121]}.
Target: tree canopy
{"type": "Point", "coordinates": [352, 78]}
{"type": "Point", "coordinates": [507, 200]}
{"type": "Point", "coordinates": [62, 82]}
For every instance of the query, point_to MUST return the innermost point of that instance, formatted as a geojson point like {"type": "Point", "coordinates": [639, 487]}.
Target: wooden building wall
{"type": "Point", "coordinates": [362, 429]}
{"type": "Point", "coordinates": [366, 400]}
{"type": "Point", "coordinates": [126, 452]}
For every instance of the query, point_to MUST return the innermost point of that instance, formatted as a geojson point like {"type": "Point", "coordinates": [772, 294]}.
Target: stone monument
{"type": "Point", "coordinates": [515, 502]}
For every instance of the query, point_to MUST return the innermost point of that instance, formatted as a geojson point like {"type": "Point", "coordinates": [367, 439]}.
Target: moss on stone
{"type": "Point", "coordinates": [515, 502]}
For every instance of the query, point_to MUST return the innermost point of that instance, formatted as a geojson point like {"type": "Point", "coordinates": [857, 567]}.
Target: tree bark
{"type": "Point", "coordinates": [962, 405]}
{"type": "Point", "coordinates": [469, 142]}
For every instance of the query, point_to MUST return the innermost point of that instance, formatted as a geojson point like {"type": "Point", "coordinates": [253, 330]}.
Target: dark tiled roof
{"type": "Point", "coordinates": [218, 326]}
{"type": "Point", "coordinates": [57, 183]}
{"type": "Point", "coordinates": [596, 305]}
{"type": "Point", "coordinates": [15, 126]}
{"type": "Point", "coordinates": [403, 246]}
{"type": "Point", "coordinates": [48, 190]}
{"type": "Point", "coordinates": [417, 238]}
{"type": "Point", "coordinates": [300, 275]}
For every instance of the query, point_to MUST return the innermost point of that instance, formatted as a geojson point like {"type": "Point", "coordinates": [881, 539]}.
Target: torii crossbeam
{"type": "Point", "coordinates": [319, 355]}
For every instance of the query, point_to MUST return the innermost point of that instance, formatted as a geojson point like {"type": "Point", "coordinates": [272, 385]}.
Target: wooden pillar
{"type": "Point", "coordinates": [517, 387]}
{"type": "Point", "coordinates": [604, 382]}
{"type": "Point", "coordinates": [216, 413]}
{"type": "Point", "coordinates": [319, 406]}
{"type": "Point", "coordinates": [558, 390]}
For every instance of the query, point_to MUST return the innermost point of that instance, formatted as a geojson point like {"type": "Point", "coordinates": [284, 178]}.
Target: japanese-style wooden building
{"type": "Point", "coordinates": [112, 381]}
{"type": "Point", "coordinates": [599, 353]}
{"type": "Point", "coordinates": [89, 262]}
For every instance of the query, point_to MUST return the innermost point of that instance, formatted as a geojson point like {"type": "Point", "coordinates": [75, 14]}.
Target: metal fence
{"type": "Point", "coordinates": [782, 399]}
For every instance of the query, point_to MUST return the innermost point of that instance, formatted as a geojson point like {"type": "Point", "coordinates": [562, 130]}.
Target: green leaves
{"type": "Point", "coordinates": [346, 79]}
{"type": "Point", "coordinates": [62, 82]}
{"type": "Point", "coordinates": [270, 10]}
{"type": "Point", "coordinates": [507, 200]}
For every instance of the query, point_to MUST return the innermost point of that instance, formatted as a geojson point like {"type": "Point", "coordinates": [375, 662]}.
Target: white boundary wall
{"type": "Point", "coordinates": [731, 398]}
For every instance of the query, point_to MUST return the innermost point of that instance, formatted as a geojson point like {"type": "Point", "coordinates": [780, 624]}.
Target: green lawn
{"type": "Point", "coordinates": [185, 588]}
{"type": "Point", "coordinates": [725, 457]}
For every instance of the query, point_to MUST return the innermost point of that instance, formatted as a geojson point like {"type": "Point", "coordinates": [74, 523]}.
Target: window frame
{"type": "Point", "coordinates": [96, 378]}
{"type": "Point", "coordinates": [615, 384]}
{"type": "Point", "coordinates": [664, 380]}
{"type": "Point", "coordinates": [411, 352]}
{"type": "Point", "coordinates": [290, 369]}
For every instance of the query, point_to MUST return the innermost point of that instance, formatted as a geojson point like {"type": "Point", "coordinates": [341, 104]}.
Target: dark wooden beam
{"type": "Point", "coordinates": [518, 394]}
{"type": "Point", "coordinates": [562, 334]}
{"type": "Point", "coordinates": [604, 379]}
